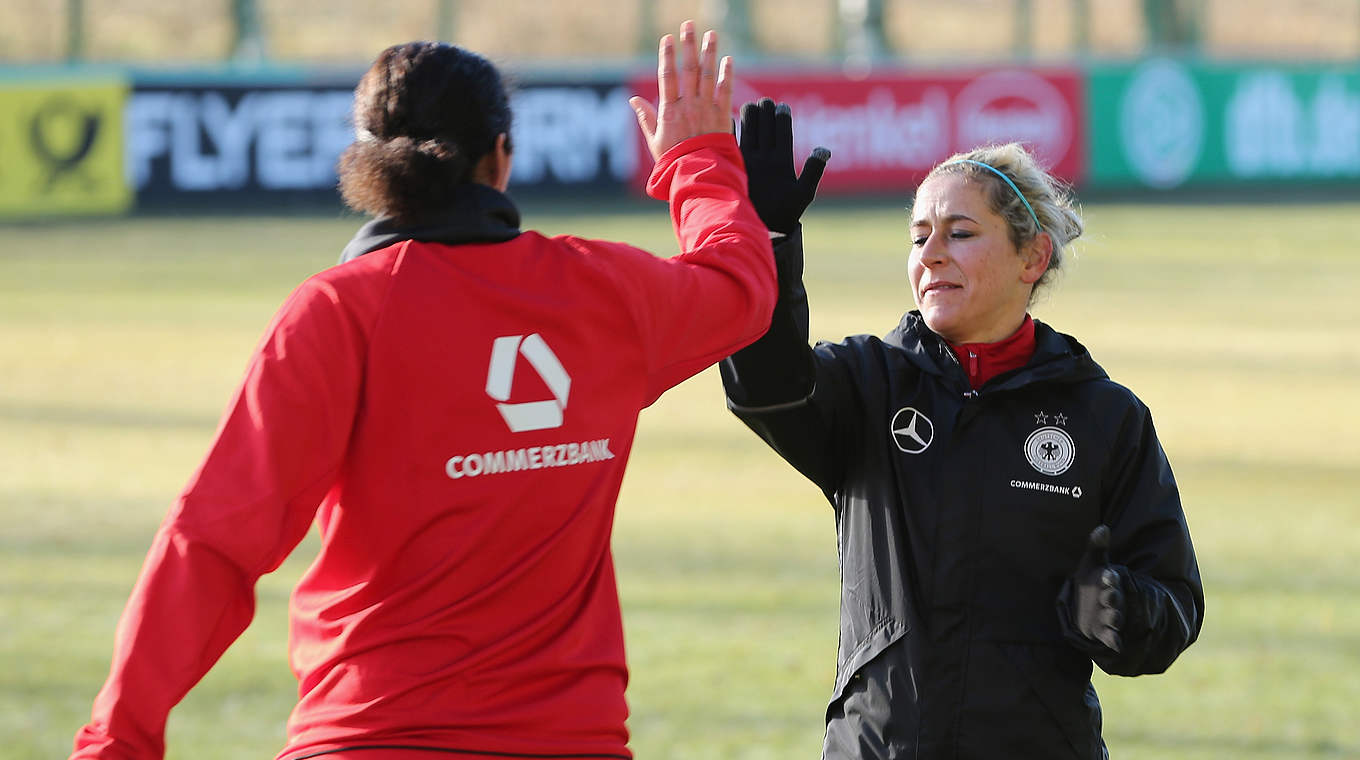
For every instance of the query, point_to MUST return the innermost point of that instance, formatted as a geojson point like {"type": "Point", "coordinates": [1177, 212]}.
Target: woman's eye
{"type": "Point", "coordinates": [960, 234]}
{"type": "Point", "coordinates": [918, 241]}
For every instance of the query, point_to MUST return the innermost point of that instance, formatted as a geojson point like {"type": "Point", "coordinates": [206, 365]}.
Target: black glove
{"type": "Point", "coordinates": [779, 195]}
{"type": "Point", "coordinates": [1093, 598]}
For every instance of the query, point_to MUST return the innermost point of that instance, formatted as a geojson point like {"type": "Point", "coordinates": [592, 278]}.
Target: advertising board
{"type": "Point", "coordinates": [62, 143]}
{"type": "Point", "coordinates": [222, 141]}
{"type": "Point", "coordinates": [1165, 123]}
{"type": "Point", "coordinates": [217, 141]}
{"type": "Point", "coordinates": [573, 134]}
{"type": "Point", "coordinates": [885, 131]}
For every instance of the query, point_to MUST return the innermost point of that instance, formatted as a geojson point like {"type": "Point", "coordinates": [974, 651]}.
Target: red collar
{"type": "Point", "coordinates": [984, 361]}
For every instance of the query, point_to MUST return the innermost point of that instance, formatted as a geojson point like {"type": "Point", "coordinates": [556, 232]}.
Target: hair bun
{"type": "Point", "coordinates": [428, 153]}
{"type": "Point", "coordinates": [437, 148]}
{"type": "Point", "coordinates": [425, 114]}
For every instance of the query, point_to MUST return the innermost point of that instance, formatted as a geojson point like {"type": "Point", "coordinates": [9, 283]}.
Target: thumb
{"type": "Point", "coordinates": [646, 116]}
{"type": "Point", "coordinates": [812, 170]}
{"type": "Point", "coordinates": [1097, 548]}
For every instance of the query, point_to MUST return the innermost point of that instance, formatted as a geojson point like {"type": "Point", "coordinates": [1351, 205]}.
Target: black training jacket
{"type": "Point", "coordinates": [959, 516]}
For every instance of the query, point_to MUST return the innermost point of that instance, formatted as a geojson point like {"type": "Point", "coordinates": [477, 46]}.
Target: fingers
{"type": "Point", "coordinates": [1109, 579]}
{"type": "Point", "coordinates": [765, 123]}
{"type": "Point", "coordinates": [1110, 638]}
{"type": "Point", "coordinates": [1110, 619]}
{"type": "Point", "coordinates": [646, 116]}
{"type": "Point", "coordinates": [750, 132]}
{"type": "Point", "coordinates": [1111, 613]}
{"type": "Point", "coordinates": [1110, 596]}
{"type": "Point", "coordinates": [1098, 546]}
{"type": "Point", "coordinates": [694, 91]}
{"type": "Point", "coordinates": [725, 78]}
{"type": "Point", "coordinates": [708, 67]}
{"type": "Point", "coordinates": [813, 169]}
{"type": "Point", "coordinates": [689, 67]}
{"type": "Point", "coordinates": [783, 128]}
{"type": "Point", "coordinates": [669, 89]}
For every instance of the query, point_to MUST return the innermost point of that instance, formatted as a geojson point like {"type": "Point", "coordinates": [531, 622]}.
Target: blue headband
{"type": "Point", "coordinates": [1008, 181]}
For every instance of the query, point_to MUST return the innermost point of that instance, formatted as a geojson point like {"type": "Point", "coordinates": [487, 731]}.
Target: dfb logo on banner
{"type": "Point", "coordinates": [62, 144]}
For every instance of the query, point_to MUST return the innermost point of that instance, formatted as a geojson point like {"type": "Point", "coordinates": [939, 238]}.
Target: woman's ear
{"type": "Point", "coordinates": [1037, 253]}
{"type": "Point", "coordinates": [494, 168]}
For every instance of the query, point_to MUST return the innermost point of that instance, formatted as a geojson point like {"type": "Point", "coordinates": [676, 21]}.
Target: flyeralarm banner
{"type": "Point", "coordinates": [209, 140]}
{"type": "Point", "coordinates": [885, 131]}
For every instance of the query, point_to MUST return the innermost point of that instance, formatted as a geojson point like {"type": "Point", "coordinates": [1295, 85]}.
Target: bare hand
{"type": "Point", "coordinates": [696, 101]}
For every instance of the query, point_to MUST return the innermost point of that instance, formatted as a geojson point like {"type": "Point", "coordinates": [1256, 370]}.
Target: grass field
{"type": "Point", "coordinates": [120, 342]}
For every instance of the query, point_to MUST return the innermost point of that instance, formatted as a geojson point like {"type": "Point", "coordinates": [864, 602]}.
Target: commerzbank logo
{"type": "Point", "coordinates": [527, 415]}
{"type": "Point", "coordinates": [524, 416]}
{"type": "Point", "coordinates": [1161, 123]}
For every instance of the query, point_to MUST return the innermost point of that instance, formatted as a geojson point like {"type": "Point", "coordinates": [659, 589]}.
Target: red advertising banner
{"type": "Point", "coordinates": [885, 131]}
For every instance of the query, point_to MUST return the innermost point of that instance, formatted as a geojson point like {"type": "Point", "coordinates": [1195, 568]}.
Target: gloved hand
{"type": "Point", "coordinates": [780, 196]}
{"type": "Point", "coordinates": [1093, 595]}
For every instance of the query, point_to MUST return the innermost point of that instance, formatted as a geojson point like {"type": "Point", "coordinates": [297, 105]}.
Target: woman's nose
{"type": "Point", "coordinates": [933, 250]}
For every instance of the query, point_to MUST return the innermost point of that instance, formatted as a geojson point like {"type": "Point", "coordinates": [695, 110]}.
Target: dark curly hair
{"type": "Point", "coordinates": [425, 113]}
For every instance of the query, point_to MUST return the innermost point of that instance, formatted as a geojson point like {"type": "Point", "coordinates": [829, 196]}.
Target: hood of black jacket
{"type": "Point", "coordinates": [479, 214]}
{"type": "Point", "coordinates": [1057, 357]}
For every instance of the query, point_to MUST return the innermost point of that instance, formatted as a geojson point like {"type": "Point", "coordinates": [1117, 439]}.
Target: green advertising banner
{"type": "Point", "coordinates": [1165, 123]}
{"type": "Point", "coordinates": [62, 147]}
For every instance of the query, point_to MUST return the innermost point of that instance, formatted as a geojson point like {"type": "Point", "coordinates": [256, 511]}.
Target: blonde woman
{"type": "Point", "coordinates": [1005, 514]}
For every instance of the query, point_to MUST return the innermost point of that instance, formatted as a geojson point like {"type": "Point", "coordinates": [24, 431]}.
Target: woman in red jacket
{"type": "Point", "coordinates": [453, 407]}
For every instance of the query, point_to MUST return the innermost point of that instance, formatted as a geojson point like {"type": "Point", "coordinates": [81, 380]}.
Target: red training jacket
{"type": "Point", "coordinates": [456, 420]}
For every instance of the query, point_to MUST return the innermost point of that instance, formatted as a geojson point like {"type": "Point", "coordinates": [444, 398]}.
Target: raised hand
{"type": "Point", "coordinates": [695, 100]}
{"type": "Point", "coordinates": [779, 195]}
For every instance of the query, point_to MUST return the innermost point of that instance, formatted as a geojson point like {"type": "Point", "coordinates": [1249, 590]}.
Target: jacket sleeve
{"type": "Point", "coordinates": [715, 296]}
{"type": "Point", "coordinates": [1151, 549]}
{"type": "Point", "coordinates": [784, 390]}
{"type": "Point", "coordinates": [275, 455]}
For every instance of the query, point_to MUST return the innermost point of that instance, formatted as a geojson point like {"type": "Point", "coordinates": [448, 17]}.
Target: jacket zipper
{"type": "Point", "coordinates": [972, 374]}
{"type": "Point", "coordinates": [972, 361]}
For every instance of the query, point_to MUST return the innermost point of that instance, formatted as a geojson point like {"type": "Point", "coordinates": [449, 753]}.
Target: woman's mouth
{"type": "Point", "coordinates": [939, 287]}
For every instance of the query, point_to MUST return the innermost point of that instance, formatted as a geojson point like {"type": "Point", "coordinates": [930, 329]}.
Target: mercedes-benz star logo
{"type": "Point", "coordinates": [912, 431]}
